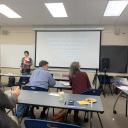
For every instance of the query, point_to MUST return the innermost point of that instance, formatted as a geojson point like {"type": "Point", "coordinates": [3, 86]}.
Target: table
{"type": "Point", "coordinates": [32, 98]}
{"type": "Point", "coordinates": [126, 92]}
{"type": "Point", "coordinates": [59, 78]}
{"type": "Point", "coordinates": [61, 86]}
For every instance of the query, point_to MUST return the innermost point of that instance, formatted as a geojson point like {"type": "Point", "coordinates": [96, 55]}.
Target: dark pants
{"type": "Point", "coordinates": [26, 71]}
{"type": "Point", "coordinates": [43, 112]}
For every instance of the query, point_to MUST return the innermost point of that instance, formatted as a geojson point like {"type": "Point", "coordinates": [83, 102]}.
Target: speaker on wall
{"type": "Point", "coordinates": [4, 32]}
{"type": "Point", "coordinates": [117, 31]}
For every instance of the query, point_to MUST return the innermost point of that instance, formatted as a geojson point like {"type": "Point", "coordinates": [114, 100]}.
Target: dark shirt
{"type": "Point", "coordinates": [8, 103]}
{"type": "Point", "coordinates": [80, 83]}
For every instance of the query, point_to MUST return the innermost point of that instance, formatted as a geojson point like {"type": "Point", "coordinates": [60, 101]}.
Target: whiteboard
{"type": "Point", "coordinates": [12, 54]}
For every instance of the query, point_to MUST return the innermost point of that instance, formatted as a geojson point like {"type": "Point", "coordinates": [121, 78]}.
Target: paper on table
{"type": "Point", "coordinates": [65, 83]}
{"type": "Point", "coordinates": [123, 88]}
{"type": "Point", "coordinates": [82, 102]}
{"type": "Point", "coordinates": [54, 94]}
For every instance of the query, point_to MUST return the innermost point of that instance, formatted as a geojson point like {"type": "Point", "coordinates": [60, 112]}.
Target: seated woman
{"type": "Point", "coordinates": [7, 102]}
{"type": "Point", "coordinates": [79, 81]}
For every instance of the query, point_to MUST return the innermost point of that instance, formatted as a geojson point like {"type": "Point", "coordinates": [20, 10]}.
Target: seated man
{"type": "Point", "coordinates": [41, 78]}
{"type": "Point", "coordinates": [9, 103]}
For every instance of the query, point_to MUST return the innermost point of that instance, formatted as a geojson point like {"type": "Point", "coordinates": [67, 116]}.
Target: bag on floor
{"type": "Point", "coordinates": [21, 111]}
{"type": "Point", "coordinates": [60, 117]}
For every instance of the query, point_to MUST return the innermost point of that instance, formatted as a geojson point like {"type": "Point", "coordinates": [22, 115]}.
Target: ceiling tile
{"type": "Point", "coordinates": [93, 18]}
{"type": "Point", "coordinates": [110, 18]}
{"type": "Point", "coordinates": [96, 5]}
{"type": "Point", "coordinates": [107, 23]}
{"type": "Point", "coordinates": [3, 16]}
{"type": "Point", "coordinates": [125, 19]}
{"type": "Point", "coordinates": [30, 19]}
{"type": "Point", "coordinates": [18, 7]}
{"type": "Point", "coordinates": [21, 20]}
{"type": "Point", "coordinates": [27, 14]}
{"type": "Point", "coordinates": [125, 13]}
{"type": "Point", "coordinates": [93, 22]}
{"type": "Point", "coordinates": [94, 12]}
{"type": "Point", "coordinates": [63, 20]}
{"type": "Point", "coordinates": [31, 1]}
{"type": "Point", "coordinates": [35, 7]}
{"type": "Point", "coordinates": [11, 1]}
{"type": "Point", "coordinates": [42, 13]}
{"type": "Point", "coordinates": [3, 24]}
{"type": "Point", "coordinates": [77, 20]}
{"type": "Point", "coordinates": [121, 23]}
{"type": "Point", "coordinates": [10, 22]}
{"type": "Point", "coordinates": [51, 23]}
{"type": "Point", "coordinates": [74, 9]}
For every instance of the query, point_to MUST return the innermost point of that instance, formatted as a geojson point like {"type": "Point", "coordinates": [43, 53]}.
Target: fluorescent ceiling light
{"type": "Point", "coordinates": [115, 8]}
{"type": "Point", "coordinates": [8, 12]}
{"type": "Point", "coordinates": [56, 9]}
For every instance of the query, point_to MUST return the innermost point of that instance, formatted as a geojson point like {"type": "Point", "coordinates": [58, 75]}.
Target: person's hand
{"type": "Point", "coordinates": [20, 69]}
{"type": "Point", "coordinates": [16, 91]}
{"type": "Point", "coordinates": [26, 63]}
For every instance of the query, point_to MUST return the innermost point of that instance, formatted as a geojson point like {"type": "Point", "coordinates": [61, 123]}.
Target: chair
{"type": "Point", "coordinates": [95, 92]}
{"type": "Point", "coordinates": [33, 88]}
{"type": "Point", "coordinates": [107, 81]}
{"type": "Point", "coordinates": [65, 75]}
{"type": "Point", "coordinates": [23, 80]}
{"type": "Point", "coordinates": [45, 124]}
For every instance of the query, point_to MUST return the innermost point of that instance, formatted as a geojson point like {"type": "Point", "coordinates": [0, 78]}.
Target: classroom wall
{"type": "Point", "coordinates": [26, 35]}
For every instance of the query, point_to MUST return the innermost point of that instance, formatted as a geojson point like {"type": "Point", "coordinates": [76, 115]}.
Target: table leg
{"type": "Point", "coordinates": [91, 119]}
{"type": "Point", "coordinates": [126, 104]}
{"type": "Point", "coordinates": [114, 111]}
{"type": "Point", "coordinates": [66, 116]}
{"type": "Point", "coordinates": [47, 113]}
{"type": "Point", "coordinates": [126, 108]}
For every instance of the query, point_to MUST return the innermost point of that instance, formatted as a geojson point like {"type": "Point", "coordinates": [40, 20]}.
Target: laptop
{"type": "Point", "coordinates": [120, 80]}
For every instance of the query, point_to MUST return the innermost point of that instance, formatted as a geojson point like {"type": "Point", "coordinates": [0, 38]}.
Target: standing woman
{"type": "Point", "coordinates": [26, 63]}
{"type": "Point", "coordinates": [79, 81]}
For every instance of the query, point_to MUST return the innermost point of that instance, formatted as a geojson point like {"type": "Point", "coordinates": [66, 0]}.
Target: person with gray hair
{"type": "Point", "coordinates": [78, 80]}
{"type": "Point", "coordinates": [41, 78]}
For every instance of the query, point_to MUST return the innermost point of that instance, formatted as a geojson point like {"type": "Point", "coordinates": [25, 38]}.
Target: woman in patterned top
{"type": "Point", "coordinates": [26, 62]}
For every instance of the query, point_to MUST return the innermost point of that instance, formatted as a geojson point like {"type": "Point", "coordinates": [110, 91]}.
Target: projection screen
{"type": "Point", "coordinates": [61, 48]}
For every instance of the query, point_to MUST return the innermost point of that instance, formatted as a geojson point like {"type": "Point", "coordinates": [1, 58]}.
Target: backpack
{"type": "Point", "coordinates": [20, 109]}
{"type": "Point", "coordinates": [60, 117]}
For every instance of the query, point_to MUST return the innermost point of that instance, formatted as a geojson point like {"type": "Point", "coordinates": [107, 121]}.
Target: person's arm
{"type": "Point", "coordinates": [51, 81]}
{"type": "Point", "coordinates": [22, 64]}
{"type": "Point", "coordinates": [9, 102]}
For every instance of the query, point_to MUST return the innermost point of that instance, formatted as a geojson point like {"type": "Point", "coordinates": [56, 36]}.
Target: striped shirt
{"type": "Point", "coordinates": [26, 66]}
{"type": "Point", "coordinates": [41, 78]}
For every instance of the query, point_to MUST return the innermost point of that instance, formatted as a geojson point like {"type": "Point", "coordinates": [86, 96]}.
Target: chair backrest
{"type": "Point", "coordinates": [26, 79]}
{"type": "Point", "coordinates": [65, 75]}
{"type": "Point", "coordinates": [95, 92]}
{"type": "Point", "coordinates": [32, 123]}
{"type": "Point", "coordinates": [33, 88]}
{"type": "Point", "coordinates": [101, 79]}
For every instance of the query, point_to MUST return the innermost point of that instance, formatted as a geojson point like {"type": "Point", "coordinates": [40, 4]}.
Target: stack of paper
{"type": "Point", "coordinates": [65, 83]}
{"type": "Point", "coordinates": [54, 94]}
{"type": "Point", "coordinates": [82, 102]}
{"type": "Point", "coordinates": [123, 88]}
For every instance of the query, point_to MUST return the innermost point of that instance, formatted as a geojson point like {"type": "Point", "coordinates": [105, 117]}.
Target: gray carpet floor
{"type": "Point", "coordinates": [109, 120]}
